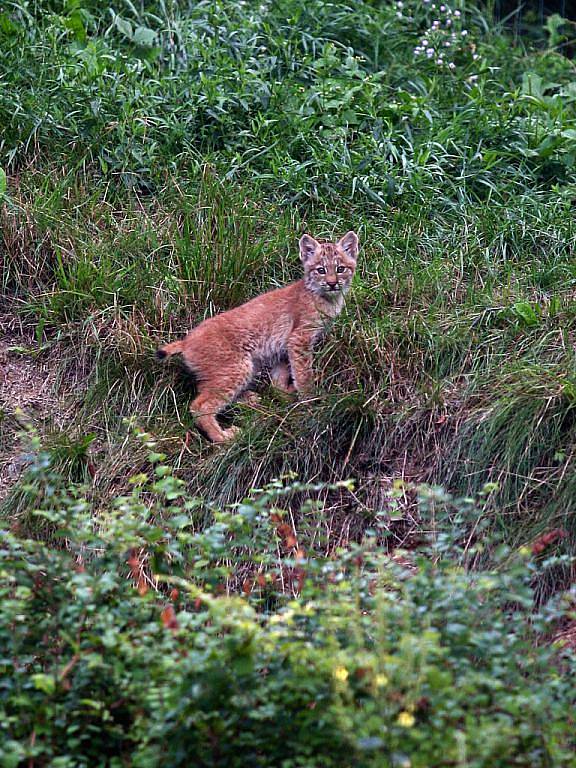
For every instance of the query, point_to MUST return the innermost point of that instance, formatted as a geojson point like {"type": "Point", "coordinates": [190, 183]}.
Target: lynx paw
{"type": "Point", "coordinates": [249, 398]}
{"type": "Point", "coordinates": [227, 435]}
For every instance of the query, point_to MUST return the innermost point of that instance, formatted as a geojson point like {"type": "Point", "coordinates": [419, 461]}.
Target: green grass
{"type": "Point", "coordinates": [161, 164]}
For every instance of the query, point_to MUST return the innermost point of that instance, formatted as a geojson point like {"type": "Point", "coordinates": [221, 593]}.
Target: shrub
{"type": "Point", "coordinates": [165, 632]}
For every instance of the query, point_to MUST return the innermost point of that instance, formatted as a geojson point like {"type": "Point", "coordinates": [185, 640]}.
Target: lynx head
{"type": "Point", "coordinates": [329, 267]}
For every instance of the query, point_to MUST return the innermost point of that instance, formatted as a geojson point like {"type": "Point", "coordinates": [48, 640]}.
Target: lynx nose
{"type": "Point", "coordinates": [332, 284]}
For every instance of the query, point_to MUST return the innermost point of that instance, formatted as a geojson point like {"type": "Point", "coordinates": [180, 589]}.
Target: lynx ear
{"type": "Point", "coordinates": [349, 244]}
{"type": "Point", "coordinates": [307, 247]}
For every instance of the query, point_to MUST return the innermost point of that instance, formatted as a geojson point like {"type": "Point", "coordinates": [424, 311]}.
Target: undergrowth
{"type": "Point", "coordinates": [161, 628]}
{"type": "Point", "coordinates": [163, 158]}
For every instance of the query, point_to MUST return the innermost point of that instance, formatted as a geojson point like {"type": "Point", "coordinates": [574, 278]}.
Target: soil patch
{"type": "Point", "coordinates": [29, 394]}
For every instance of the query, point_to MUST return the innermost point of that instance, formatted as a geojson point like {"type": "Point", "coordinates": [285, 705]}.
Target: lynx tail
{"type": "Point", "coordinates": [169, 349]}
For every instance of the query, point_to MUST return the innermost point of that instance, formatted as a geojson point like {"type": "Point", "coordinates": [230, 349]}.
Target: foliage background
{"type": "Point", "coordinates": [373, 664]}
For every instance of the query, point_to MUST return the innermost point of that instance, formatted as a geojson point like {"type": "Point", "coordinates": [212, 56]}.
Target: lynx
{"type": "Point", "coordinates": [275, 331]}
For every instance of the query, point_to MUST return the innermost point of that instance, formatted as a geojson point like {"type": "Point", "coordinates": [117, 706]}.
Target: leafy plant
{"type": "Point", "coordinates": [129, 642]}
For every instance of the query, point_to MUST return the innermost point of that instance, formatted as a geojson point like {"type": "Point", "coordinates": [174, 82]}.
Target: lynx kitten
{"type": "Point", "coordinates": [275, 331]}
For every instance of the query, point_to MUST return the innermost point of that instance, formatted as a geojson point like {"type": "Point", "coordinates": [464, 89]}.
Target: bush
{"type": "Point", "coordinates": [320, 100]}
{"type": "Point", "coordinates": [165, 632]}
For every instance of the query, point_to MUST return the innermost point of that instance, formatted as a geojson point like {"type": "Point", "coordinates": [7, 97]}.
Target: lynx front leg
{"type": "Point", "coordinates": [280, 376]}
{"type": "Point", "coordinates": [250, 398]}
{"type": "Point", "coordinates": [300, 357]}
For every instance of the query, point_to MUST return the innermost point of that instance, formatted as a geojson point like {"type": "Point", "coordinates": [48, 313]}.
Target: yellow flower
{"type": "Point", "coordinates": [341, 673]}
{"type": "Point", "coordinates": [525, 551]}
{"type": "Point", "coordinates": [406, 720]}
{"type": "Point", "coordinates": [381, 680]}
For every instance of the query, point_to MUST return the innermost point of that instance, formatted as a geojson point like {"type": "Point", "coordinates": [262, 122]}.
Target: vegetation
{"type": "Point", "coordinates": [158, 161]}
{"type": "Point", "coordinates": [163, 160]}
{"type": "Point", "coordinates": [370, 666]}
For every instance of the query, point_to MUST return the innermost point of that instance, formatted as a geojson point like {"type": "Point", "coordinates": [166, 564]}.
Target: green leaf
{"type": "Point", "coordinates": [7, 25]}
{"type": "Point", "coordinates": [3, 183]}
{"type": "Point", "coordinates": [554, 24]}
{"type": "Point", "coordinates": [74, 22]}
{"type": "Point", "coordinates": [526, 312]}
{"type": "Point", "coordinates": [548, 146]}
{"type": "Point", "coordinates": [532, 85]}
{"type": "Point", "coordinates": [144, 36]}
{"type": "Point", "coordinates": [45, 683]}
{"type": "Point", "coordinates": [124, 27]}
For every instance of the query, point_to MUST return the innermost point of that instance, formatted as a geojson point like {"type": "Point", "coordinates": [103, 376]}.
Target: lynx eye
{"type": "Point", "coordinates": [340, 269]}
{"type": "Point", "coordinates": [321, 270]}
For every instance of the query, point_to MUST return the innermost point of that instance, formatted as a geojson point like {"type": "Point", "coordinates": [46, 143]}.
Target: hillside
{"type": "Point", "coordinates": [161, 169]}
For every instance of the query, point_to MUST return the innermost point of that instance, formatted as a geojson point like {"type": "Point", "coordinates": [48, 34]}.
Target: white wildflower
{"type": "Point", "coordinates": [464, 32]}
{"type": "Point", "coordinates": [457, 14]}
{"type": "Point", "coordinates": [451, 65]}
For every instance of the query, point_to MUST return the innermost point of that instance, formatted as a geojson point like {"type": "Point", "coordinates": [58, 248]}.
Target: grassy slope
{"type": "Point", "coordinates": [161, 166]}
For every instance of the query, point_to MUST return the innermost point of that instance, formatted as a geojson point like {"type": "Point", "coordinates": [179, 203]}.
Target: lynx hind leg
{"type": "Point", "coordinates": [212, 399]}
{"type": "Point", "coordinates": [205, 407]}
{"type": "Point", "coordinates": [280, 376]}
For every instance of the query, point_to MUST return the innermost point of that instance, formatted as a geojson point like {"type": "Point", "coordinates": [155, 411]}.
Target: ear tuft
{"type": "Point", "coordinates": [307, 247]}
{"type": "Point", "coordinates": [349, 244]}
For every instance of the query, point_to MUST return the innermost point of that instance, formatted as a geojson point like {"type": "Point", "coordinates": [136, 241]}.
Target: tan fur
{"type": "Point", "coordinates": [276, 331]}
